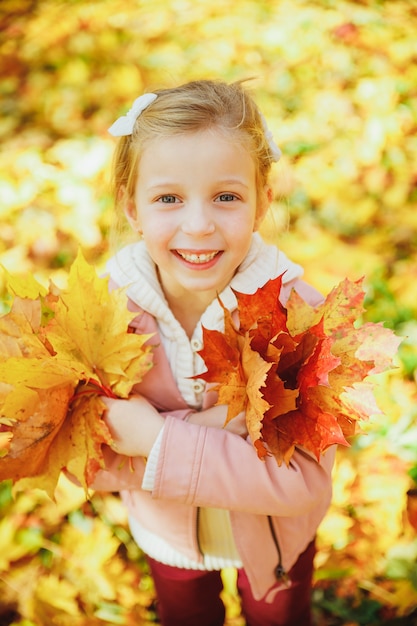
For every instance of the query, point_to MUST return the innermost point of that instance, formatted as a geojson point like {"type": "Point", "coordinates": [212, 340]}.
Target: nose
{"type": "Point", "coordinates": [198, 219]}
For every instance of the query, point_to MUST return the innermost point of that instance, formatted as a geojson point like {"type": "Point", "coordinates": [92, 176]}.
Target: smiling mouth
{"type": "Point", "coordinates": [195, 257]}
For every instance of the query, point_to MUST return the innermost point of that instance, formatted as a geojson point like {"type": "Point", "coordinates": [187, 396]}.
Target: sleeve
{"type": "Point", "coordinates": [122, 472]}
{"type": "Point", "coordinates": [307, 292]}
{"type": "Point", "coordinates": [152, 462]}
{"type": "Point", "coordinates": [220, 469]}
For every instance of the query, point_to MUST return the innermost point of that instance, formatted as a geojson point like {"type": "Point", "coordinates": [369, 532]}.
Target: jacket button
{"type": "Point", "coordinates": [198, 387]}
{"type": "Point", "coordinates": [196, 345]}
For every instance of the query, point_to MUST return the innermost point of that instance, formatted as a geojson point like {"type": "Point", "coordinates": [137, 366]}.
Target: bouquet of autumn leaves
{"type": "Point", "coordinates": [303, 375]}
{"type": "Point", "coordinates": [61, 351]}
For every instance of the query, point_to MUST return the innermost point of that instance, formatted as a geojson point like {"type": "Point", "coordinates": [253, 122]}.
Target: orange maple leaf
{"type": "Point", "coordinates": [32, 436]}
{"type": "Point", "coordinates": [255, 371]}
{"type": "Point", "coordinates": [222, 353]}
{"type": "Point", "coordinates": [5, 439]}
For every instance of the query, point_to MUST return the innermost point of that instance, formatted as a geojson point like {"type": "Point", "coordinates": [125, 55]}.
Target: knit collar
{"type": "Point", "coordinates": [133, 268]}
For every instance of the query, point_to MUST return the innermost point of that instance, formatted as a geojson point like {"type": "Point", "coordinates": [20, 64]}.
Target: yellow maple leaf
{"type": "Point", "coordinates": [90, 328]}
{"type": "Point", "coordinates": [84, 434]}
{"type": "Point", "coordinates": [18, 330]}
{"type": "Point", "coordinates": [24, 287]}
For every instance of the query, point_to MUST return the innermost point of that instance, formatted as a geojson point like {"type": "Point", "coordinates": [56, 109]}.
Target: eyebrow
{"type": "Point", "coordinates": [233, 181]}
{"type": "Point", "coordinates": [166, 184]}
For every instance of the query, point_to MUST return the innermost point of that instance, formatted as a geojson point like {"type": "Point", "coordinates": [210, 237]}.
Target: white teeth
{"type": "Point", "coordinates": [198, 258]}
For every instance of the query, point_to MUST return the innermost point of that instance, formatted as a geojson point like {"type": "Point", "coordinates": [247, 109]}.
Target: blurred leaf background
{"type": "Point", "coordinates": [337, 81]}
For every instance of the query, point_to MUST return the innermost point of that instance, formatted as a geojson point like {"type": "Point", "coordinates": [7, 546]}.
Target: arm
{"type": "Point", "coordinates": [204, 465]}
{"type": "Point", "coordinates": [222, 470]}
{"type": "Point", "coordinates": [135, 424]}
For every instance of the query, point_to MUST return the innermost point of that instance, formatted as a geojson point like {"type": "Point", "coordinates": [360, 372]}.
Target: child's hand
{"type": "Point", "coordinates": [215, 418]}
{"type": "Point", "coordinates": [134, 425]}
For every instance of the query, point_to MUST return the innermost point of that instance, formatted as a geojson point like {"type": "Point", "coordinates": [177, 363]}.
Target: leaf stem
{"type": "Point", "coordinates": [93, 386]}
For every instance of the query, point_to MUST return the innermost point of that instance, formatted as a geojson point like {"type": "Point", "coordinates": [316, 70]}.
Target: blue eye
{"type": "Point", "coordinates": [168, 199]}
{"type": "Point", "coordinates": [227, 197]}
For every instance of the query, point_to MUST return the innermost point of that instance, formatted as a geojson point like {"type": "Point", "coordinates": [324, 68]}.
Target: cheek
{"type": "Point", "coordinates": [241, 226]}
{"type": "Point", "coordinates": [157, 230]}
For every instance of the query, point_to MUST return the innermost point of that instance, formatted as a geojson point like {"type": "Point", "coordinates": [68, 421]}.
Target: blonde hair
{"type": "Point", "coordinates": [194, 106]}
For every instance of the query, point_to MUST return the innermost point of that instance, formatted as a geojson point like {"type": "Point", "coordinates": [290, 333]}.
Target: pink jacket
{"type": "Point", "coordinates": [274, 511]}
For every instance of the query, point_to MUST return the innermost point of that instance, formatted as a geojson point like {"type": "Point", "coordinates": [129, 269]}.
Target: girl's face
{"type": "Point", "coordinates": [196, 205]}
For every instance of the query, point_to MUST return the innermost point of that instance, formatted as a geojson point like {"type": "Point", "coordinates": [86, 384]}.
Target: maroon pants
{"type": "Point", "coordinates": [192, 598]}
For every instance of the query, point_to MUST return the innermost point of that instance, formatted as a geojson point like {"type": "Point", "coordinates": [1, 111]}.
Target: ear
{"type": "Point", "coordinates": [264, 203]}
{"type": "Point", "coordinates": [129, 207]}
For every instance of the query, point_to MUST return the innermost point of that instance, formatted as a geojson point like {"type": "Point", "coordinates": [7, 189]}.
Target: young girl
{"type": "Point", "coordinates": [191, 177]}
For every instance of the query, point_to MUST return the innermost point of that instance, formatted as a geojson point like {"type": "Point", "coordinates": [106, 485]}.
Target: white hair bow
{"type": "Point", "coordinates": [275, 151]}
{"type": "Point", "coordinates": [124, 125]}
